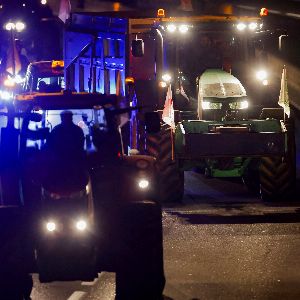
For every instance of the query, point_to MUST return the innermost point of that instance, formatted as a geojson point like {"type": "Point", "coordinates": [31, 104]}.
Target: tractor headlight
{"type": "Point", "coordinates": [5, 95]}
{"type": "Point", "coordinates": [241, 26]}
{"type": "Point", "coordinates": [81, 225]}
{"type": "Point", "coordinates": [171, 28]}
{"type": "Point", "coordinates": [261, 75]}
{"type": "Point", "coordinates": [166, 77]}
{"type": "Point", "coordinates": [143, 183]}
{"type": "Point", "coordinates": [252, 26]}
{"type": "Point", "coordinates": [211, 105]}
{"type": "Point", "coordinates": [183, 28]}
{"type": "Point", "coordinates": [239, 105]}
{"type": "Point", "coordinates": [51, 226]}
{"type": "Point", "coordinates": [244, 104]}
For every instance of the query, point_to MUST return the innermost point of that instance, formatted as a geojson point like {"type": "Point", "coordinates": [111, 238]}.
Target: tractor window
{"type": "Point", "coordinates": [49, 84]}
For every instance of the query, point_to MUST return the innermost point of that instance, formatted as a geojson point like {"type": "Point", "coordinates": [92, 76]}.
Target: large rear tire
{"type": "Point", "coordinates": [278, 174]}
{"type": "Point", "coordinates": [170, 178]}
{"type": "Point", "coordinates": [15, 255]}
{"type": "Point", "coordinates": [130, 244]}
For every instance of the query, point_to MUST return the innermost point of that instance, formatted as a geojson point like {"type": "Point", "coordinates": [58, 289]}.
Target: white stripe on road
{"type": "Point", "coordinates": [78, 295]}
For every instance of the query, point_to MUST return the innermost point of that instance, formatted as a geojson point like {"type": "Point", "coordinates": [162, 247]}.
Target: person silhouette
{"type": "Point", "coordinates": [66, 170]}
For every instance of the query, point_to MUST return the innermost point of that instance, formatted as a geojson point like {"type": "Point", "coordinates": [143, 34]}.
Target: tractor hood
{"type": "Point", "coordinates": [215, 83]}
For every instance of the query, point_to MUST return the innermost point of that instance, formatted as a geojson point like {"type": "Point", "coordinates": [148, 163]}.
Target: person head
{"type": "Point", "coordinates": [42, 86]}
{"type": "Point", "coordinates": [66, 117]}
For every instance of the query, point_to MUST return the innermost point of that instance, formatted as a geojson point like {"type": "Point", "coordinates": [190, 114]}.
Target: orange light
{"type": "Point", "coordinates": [9, 82]}
{"type": "Point", "coordinates": [129, 80]}
{"type": "Point", "coordinates": [116, 6]}
{"type": "Point", "coordinates": [264, 12]}
{"type": "Point", "coordinates": [57, 64]}
{"type": "Point", "coordinates": [161, 13]}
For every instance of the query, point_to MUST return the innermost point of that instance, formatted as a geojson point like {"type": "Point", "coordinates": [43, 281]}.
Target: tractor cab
{"type": "Point", "coordinates": [44, 77]}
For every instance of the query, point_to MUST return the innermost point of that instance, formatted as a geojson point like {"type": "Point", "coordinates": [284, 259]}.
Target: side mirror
{"type": "Point", "coordinates": [137, 48]}
{"type": "Point", "coordinates": [282, 42]}
{"type": "Point", "coordinates": [152, 122]}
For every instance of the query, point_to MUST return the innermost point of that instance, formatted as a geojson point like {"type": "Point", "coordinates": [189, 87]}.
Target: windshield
{"type": "Point", "coordinates": [49, 84]}
{"type": "Point", "coordinates": [188, 56]}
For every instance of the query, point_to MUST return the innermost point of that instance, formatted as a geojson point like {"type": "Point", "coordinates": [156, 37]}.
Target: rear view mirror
{"type": "Point", "coordinates": [152, 122]}
{"type": "Point", "coordinates": [137, 47]}
{"type": "Point", "coordinates": [282, 42]}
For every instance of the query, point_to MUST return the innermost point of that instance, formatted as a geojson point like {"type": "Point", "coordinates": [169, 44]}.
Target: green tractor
{"type": "Point", "coordinates": [223, 142]}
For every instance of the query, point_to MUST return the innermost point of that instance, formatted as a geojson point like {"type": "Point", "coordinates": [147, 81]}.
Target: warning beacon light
{"type": "Point", "coordinates": [161, 13]}
{"type": "Point", "coordinates": [264, 12]}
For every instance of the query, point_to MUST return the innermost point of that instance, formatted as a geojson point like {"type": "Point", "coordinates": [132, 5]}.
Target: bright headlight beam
{"type": "Point", "coordinates": [166, 77]}
{"type": "Point", "coordinates": [81, 225]}
{"type": "Point", "coordinates": [183, 28]}
{"type": "Point", "coordinates": [261, 75]}
{"type": "Point", "coordinates": [241, 26]}
{"type": "Point", "coordinates": [51, 226]}
{"type": "Point", "coordinates": [265, 82]}
{"type": "Point", "coordinates": [244, 104]}
{"type": "Point", "coordinates": [205, 105]}
{"type": "Point", "coordinates": [143, 183]}
{"type": "Point", "coordinates": [171, 28]}
{"type": "Point", "coordinates": [20, 26]}
{"type": "Point", "coordinates": [10, 26]}
{"type": "Point", "coordinates": [5, 95]}
{"type": "Point", "coordinates": [252, 26]}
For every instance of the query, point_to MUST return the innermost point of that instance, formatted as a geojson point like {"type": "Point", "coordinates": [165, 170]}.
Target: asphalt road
{"type": "Point", "coordinates": [220, 243]}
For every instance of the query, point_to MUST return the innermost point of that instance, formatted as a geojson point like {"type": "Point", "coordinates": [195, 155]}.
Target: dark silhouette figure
{"type": "Point", "coordinates": [66, 157]}
{"type": "Point", "coordinates": [23, 58]}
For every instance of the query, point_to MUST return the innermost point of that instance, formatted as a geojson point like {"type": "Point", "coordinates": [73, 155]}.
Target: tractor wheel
{"type": "Point", "coordinates": [278, 174]}
{"type": "Point", "coordinates": [140, 275]}
{"type": "Point", "coordinates": [170, 178]}
{"type": "Point", "coordinates": [131, 245]}
{"type": "Point", "coordinates": [15, 280]}
{"type": "Point", "coordinates": [251, 177]}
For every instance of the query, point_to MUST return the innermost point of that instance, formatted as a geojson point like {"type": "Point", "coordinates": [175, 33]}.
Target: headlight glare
{"type": "Point", "coordinates": [244, 104]}
{"type": "Point", "coordinates": [265, 82]}
{"type": "Point", "coordinates": [261, 75]}
{"type": "Point", "coordinates": [143, 184]}
{"type": "Point", "coordinates": [51, 226]}
{"type": "Point", "coordinates": [241, 26]}
{"type": "Point", "coordinates": [20, 26]}
{"type": "Point", "coordinates": [252, 26]}
{"type": "Point", "coordinates": [166, 77]}
{"type": "Point", "coordinates": [171, 28]}
{"type": "Point", "coordinates": [183, 28]}
{"type": "Point", "coordinates": [81, 225]}
{"type": "Point", "coordinates": [205, 105]}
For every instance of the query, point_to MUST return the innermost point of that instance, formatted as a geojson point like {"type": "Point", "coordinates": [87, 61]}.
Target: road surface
{"type": "Point", "coordinates": [220, 243]}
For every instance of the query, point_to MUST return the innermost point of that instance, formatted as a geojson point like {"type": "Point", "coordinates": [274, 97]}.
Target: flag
{"type": "Point", "coordinates": [168, 111]}
{"type": "Point", "coordinates": [64, 10]}
{"type": "Point", "coordinates": [123, 118]}
{"type": "Point", "coordinates": [284, 96]}
{"type": "Point", "coordinates": [13, 62]}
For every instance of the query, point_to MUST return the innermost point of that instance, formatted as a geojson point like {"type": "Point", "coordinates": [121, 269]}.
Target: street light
{"type": "Point", "coordinates": [12, 28]}
{"type": "Point", "coordinates": [18, 26]}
